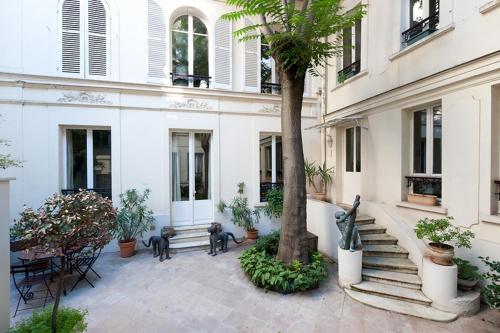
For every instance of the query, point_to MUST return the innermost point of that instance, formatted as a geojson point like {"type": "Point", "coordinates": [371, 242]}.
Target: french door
{"type": "Point", "coordinates": [191, 183]}
{"type": "Point", "coordinates": [351, 184]}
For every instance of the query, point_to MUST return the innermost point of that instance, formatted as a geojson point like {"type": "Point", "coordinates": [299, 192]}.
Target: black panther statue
{"type": "Point", "coordinates": [216, 235]}
{"type": "Point", "coordinates": [161, 244]}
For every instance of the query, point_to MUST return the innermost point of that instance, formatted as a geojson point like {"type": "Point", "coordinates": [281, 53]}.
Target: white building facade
{"type": "Point", "coordinates": [415, 108]}
{"type": "Point", "coordinates": [112, 95]}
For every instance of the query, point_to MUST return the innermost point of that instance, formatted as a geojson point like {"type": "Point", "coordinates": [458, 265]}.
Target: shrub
{"type": "Point", "coordinates": [441, 231]}
{"type": "Point", "coordinates": [133, 218]}
{"type": "Point", "coordinates": [68, 321]}
{"type": "Point", "coordinates": [491, 292]}
{"type": "Point", "coordinates": [274, 207]}
{"type": "Point", "coordinates": [467, 271]}
{"type": "Point", "coordinates": [265, 271]}
{"type": "Point", "coordinates": [242, 215]}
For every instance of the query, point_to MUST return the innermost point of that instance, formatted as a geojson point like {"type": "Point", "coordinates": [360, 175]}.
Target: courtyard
{"type": "Point", "coordinates": [194, 292]}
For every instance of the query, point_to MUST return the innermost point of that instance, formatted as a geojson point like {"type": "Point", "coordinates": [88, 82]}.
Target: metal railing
{"type": "Point", "coordinates": [421, 29]}
{"type": "Point", "coordinates": [425, 184]}
{"type": "Point", "coordinates": [270, 88]}
{"type": "Point", "coordinates": [265, 187]}
{"type": "Point", "coordinates": [349, 71]}
{"type": "Point", "coordinates": [105, 192]}
{"type": "Point", "coordinates": [188, 80]}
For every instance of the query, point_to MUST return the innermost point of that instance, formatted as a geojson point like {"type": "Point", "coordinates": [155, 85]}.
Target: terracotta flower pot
{"type": "Point", "coordinates": [319, 196]}
{"type": "Point", "coordinates": [127, 249]}
{"type": "Point", "coordinates": [253, 234]}
{"type": "Point", "coordinates": [442, 254]}
{"type": "Point", "coordinates": [466, 284]}
{"type": "Point", "coordinates": [423, 199]}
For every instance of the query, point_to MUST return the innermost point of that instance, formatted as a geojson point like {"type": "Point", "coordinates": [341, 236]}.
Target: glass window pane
{"type": "Point", "coordinates": [102, 161]}
{"type": "Point", "coordinates": [358, 149]}
{"type": "Point", "coordinates": [180, 62]}
{"type": "Point", "coordinates": [200, 65]}
{"type": "Point", "coordinates": [199, 27]}
{"type": "Point", "coordinates": [202, 165]}
{"type": "Point", "coordinates": [279, 160]}
{"type": "Point", "coordinates": [349, 150]}
{"type": "Point", "coordinates": [76, 158]}
{"type": "Point", "coordinates": [180, 167]}
{"type": "Point", "coordinates": [266, 65]}
{"type": "Point", "coordinates": [419, 141]}
{"type": "Point", "coordinates": [347, 47]}
{"type": "Point", "coordinates": [181, 24]}
{"type": "Point", "coordinates": [357, 37]}
{"type": "Point", "coordinates": [265, 164]}
{"type": "Point", "coordinates": [416, 11]}
{"type": "Point", "coordinates": [436, 139]}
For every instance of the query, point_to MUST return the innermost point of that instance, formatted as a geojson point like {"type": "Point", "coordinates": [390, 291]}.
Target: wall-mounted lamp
{"type": "Point", "coordinates": [329, 140]}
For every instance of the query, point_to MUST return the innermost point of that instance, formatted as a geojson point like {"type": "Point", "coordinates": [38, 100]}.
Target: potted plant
{"type": "Point", "coordinates": [468, 274]}
{"type": "Point", "coordinates": [323, 173]}
{"type": "Point", "coordinates": [491, 291]}
{"type": "Point", "coordinates": [440, 232]}
{"type": "Point", "coordinates": [133, 220]}
{"type": "Point", "coordinates": [242, 215]}
{"type": "Point", "coordinates": [310, 171]}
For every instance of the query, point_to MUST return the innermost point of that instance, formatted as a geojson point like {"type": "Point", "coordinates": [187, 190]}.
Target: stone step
{"type": "Point", "coordinates": [392, 278]}
{"type": "Point", "coordinates": [190, 246]}
{"type": "Point", "coordinates": [388, 251]}
{"type": "Point", "coordinates": [188, 229]}
{"type": "Point", "coordinates": [378, 239]}
{"type": "Point", "coordinates": [400, 265]}
{"type": "Point", "coordinates": [364, 219]}
{"type": "Point", "coordinates": [402, 307]}
{"type": "Point", "coordinates": [189, 237]}
{"type": "Point", "coordinates": [394, 292]}
{"type": "Point", "coordinates": [370, 229]}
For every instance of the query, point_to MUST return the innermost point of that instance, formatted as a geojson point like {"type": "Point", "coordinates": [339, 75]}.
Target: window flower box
{"type": "Point", "coordinates": [423, 199]}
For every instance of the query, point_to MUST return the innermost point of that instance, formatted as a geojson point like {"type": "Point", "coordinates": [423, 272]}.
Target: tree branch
{"type": "Point", "coordinates": [269, 31]}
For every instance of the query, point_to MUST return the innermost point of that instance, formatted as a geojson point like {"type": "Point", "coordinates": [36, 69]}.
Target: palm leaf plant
{"type": "Point", "coordinates": [302, 36]}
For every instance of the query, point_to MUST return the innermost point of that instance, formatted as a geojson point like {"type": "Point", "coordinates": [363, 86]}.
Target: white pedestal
{"type": "Point", "coordinates": [350, 265]}
{"type": "Point", "coordinates": [4, 255]}
{"type": "Point", "coordinates": [439, 283]}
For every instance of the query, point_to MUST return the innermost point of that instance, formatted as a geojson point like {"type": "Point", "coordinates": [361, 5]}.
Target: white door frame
{"type": "Point", "coordinates": [192, 211]}
{"type": "Point", "coordinates": [351, 180]}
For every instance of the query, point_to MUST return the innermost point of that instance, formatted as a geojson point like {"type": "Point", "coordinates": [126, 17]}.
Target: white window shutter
{"type": "Point", "coordinates": [307, 84]}
{"type": "Point", "coordinates": [252, 63]}
{"type": "Point", "coordinates": [97, 39]}
{"type": "Point", "coordinates": [71, 34]}
{"type": "Point", "coordinates": [223, 54]}
{"type": "Point", "coordinates": [157, 41]}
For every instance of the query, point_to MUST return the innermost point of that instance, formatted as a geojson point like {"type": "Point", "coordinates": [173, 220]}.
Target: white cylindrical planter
{"type": "Point", "coordinates": [439, 283]}
{"type": "Point", "coordinates": [350, 265]}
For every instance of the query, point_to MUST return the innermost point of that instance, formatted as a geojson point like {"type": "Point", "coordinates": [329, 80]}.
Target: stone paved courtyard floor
{"type": "Point", "coordinates": [194, 292]}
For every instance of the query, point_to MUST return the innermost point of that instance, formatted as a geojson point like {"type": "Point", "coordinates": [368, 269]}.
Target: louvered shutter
{"type": "Point", "coordinates": [223, 54]}
{"type": "Point", "coordinates": [307, 84]}
{"type": "Point", "coordinates": [252, 63]}
{"type": "Point", "coordinates": [71, 34]}
{"type": "Point", "coordinates": [97, 38]}
{"type": "Point", "coordinates": [157, 41]}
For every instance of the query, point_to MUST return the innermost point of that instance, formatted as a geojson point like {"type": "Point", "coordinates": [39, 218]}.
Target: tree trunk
{"type": "Point", "coordinates": [60, 284]}
{"type": "Point", "coordinates": [293, 239]}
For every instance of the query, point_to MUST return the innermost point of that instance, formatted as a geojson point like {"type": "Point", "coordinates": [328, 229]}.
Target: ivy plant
{"type": "Point", "coordinates": [491, 291]}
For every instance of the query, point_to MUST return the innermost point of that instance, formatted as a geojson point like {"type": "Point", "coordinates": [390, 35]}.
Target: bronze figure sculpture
{"type": "Point", "coordinates": [350, 239]}
{"type": "Point", "coordinates": [217, 235]}
{"type": "Point", "coordinates": [161, 244]}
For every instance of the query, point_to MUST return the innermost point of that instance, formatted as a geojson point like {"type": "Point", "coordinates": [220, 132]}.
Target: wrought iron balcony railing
{"type": "Point", "coordinates": [421, 29]}
{"type": "Point", "coordinates": [265, 187]}
{"type": "Point", "coordinates": [270, 88]}
{"type": "Point", "coordinates": [105, 192]}
{"type": "Point", "coordinates": [349, 71]}
{"type": "Point", "coordinates": [425, 184]}
{"type": "Point", "coordinates": [188, 80]}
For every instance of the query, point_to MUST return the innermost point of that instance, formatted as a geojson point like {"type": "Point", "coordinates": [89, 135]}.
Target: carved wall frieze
{"type": "Point", "coordinates": [190, 103]}
{"type": "Point", "coordinates": [84, 97]}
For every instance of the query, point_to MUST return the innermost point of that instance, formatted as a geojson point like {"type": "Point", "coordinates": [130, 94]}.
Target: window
{"type": "Point", "coordinates": [427, 150]}
{"type": "Point", "coordinates": [190, 52]}
{"type": "Point", "coordinates": [271, 163]}
{"type": "Point", "coordinates": [85, 41]}
{"type": "Point", "coordinates": [269, 78]}
{"type": "Point", "coordinates": [351, 56]}
{"type": "Point", "coordinates": [423, 19]}
{"type": "Point", "coordinates": [353, 149]}
{"type": "Point", "coordinates": [88, 160]}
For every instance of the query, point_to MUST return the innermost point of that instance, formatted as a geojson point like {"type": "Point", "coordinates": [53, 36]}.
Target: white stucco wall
{"type": "Point", "coordinates": [4, 255]}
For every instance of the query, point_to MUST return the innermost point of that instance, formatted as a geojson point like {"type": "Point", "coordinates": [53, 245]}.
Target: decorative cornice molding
{"type": "Point", "coordinates": [84, 97]}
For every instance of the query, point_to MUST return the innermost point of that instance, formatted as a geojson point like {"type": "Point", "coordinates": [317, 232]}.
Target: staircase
{"type": "Point", "coordinates": [390, 279]}
{"type": "Point", "coordinates": [190, 238]}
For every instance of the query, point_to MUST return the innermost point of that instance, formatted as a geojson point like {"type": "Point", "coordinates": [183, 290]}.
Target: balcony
{"type": "Point", "coordinates": [270, 88]}
{"type": "Point", "coordinates": [420, 30]}
{"type": "Point", "coordinates": [349, 71]}
{"type": "Point", "coordinates": [105, 192]}
{"type": "Point", "coordinates": [187, 80]}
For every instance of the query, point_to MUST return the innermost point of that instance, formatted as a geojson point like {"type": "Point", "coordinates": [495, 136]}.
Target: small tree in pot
{"type": "Point", "coordinates": [440, 232]}
{"type": "Point", "coordinates": [65, 222]}
{"type": "Point", "coordinates": [324, 174]}
{"type": "Point", "coordinates": [133, 220]}
{"type": "Point", "coordinates": [242, 215]}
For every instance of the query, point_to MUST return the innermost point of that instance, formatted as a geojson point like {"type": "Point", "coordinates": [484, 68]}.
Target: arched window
{"type": "Point", "coordinates": [85, 38]}
{"type": "Point", "coordinates": [190, 52]}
